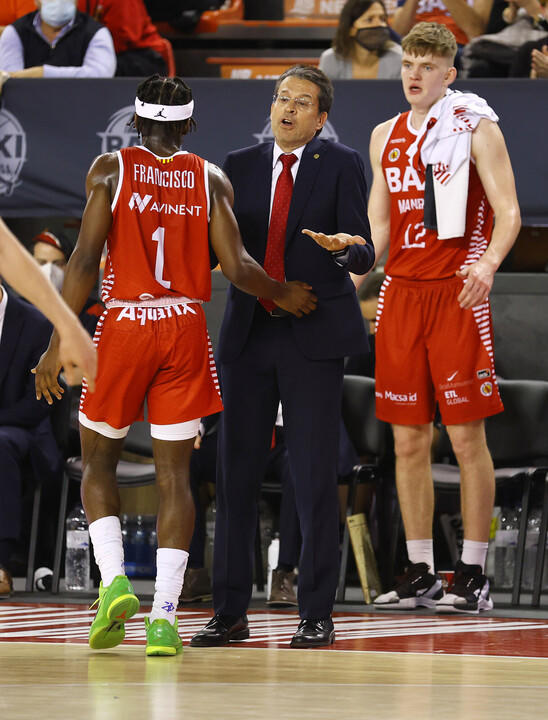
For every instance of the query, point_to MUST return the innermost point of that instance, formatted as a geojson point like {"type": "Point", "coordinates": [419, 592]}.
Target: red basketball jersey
{"type": "Point", "coordinates": [158, 243]}
{"type": "Point", "coordinates": [415, 252]}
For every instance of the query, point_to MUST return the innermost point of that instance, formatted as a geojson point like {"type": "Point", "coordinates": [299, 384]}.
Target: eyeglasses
{"type": "Point", "coordinates": [300, 103]}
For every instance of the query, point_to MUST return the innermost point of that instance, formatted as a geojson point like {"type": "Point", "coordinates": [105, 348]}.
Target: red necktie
{"type": "Point", "coordinates": [275, 244]}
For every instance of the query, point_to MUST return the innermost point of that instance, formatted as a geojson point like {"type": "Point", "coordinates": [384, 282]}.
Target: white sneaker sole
{"type": "Point", "coordinates": [451, 608]}
{"type": "Point", "coordinates": [406, 604]}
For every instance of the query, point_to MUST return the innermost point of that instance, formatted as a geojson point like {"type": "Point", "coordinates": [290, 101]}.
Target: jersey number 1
{"type": "Point", "coordinates": [158, 236]}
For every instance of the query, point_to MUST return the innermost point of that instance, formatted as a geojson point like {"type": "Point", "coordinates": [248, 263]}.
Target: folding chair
{"type": "Point", "coordinates": [518, 442]}
{"type": "Point", "coordinates": [128, 474]}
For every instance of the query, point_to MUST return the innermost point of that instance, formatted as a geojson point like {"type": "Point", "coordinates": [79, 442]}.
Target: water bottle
{"type": "Point", "coordinates": [490, 559]}
{"type": "Point", "coordinates": [531, 546]}
{"type": "Point", "coordinates": [152, 545]}
{"type": "Point", "coordinates": [506, 540]}
{"type": "Point", "coordinates": [273, 555]}
{"type": "Point", "coordinates": [511, 546]}
{"type": "Point", "coordinates": [128, 528]}
{"type": "Point", "coordinates": [141, 547]}
{"type": "Point", "coordinates": [77, 551]}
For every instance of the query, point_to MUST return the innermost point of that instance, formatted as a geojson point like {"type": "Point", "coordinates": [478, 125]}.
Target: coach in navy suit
{"type": "Point", "coordinates": [25, 430]}
{"type": "Point", "coordinates": [265, 356]}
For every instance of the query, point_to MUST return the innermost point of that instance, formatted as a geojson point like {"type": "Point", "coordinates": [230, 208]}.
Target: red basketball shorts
{"type": "Point", "coordinates": [428, 350]}
{"type": "Point", "coordinates": [161, 354]}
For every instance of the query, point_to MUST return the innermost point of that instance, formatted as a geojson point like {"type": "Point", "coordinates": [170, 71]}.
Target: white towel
{"type": "Point", "coordinates": [445, 140]}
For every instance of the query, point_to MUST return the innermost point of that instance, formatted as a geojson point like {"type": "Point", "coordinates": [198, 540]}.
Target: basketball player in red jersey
{"type": "Point", "coordinates": [434, 338]}
{"type": "Point", "coordinates": [157, 208]}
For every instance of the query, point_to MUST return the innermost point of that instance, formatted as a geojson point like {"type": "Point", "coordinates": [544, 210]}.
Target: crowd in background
{"type": "Point", "coordinates": [100, 38]}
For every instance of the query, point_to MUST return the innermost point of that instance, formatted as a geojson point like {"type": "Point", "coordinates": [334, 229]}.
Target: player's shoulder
{"type": "Point", "coordinates": [380, 131]}
{"type": "Point", "coordinates": [105, 163]}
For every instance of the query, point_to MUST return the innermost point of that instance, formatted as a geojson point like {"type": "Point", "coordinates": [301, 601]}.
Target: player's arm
{"type": "Point", "coordinates": [378, 208]}
{"type": "Point", "coordinates": [77, 352]}
{"type": "Point", "coordinates": [237, 265]}
{"type": "Point", "coordinates": [83, 267]}
{"type": "Point", "coordinates": [497, 177]}
{"type": "Point", "coordinates": [404, 18]}
{"type": "Point", "coordinates": [471, 19]}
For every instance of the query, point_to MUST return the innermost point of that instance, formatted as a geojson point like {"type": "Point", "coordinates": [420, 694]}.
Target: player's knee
{"type": "Point", "coordinates": [412, 444]}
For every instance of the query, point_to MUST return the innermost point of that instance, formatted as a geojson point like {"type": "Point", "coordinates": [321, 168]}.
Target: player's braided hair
{"type": "Point", "coordinates": [164, 91]}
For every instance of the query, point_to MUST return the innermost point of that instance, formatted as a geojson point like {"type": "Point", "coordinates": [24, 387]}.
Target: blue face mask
{"type": "Point", "coordinates": [57, 12]}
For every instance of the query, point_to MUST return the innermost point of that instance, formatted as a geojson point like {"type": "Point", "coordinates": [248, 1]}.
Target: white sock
{"type": "Point", "coordinates": [106, 537]}
{"type": "Point", "coordinates": [170, 572]}
{"type": "Point", "coordinates": [421, 551]}
{"type": "Point", "coordinates": [474, 553]}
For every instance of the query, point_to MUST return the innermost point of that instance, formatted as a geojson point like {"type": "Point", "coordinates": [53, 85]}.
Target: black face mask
{"type": "Point", "coordinates": [373, 38]}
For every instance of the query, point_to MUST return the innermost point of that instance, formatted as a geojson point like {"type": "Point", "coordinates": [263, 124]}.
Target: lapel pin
{"type": "Point", "coordinates": [316, 156]}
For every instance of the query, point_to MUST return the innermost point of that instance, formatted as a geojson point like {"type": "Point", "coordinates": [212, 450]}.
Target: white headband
{"type": "Point", "coordinates": [164, 113]}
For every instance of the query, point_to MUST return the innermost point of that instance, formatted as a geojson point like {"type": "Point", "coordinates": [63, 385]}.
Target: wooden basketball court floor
{"type": "Point", "coordinates": [384, 666]}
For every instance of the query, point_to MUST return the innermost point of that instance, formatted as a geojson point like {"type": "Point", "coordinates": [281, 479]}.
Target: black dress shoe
{"type": "Point", "coordinates": [221, 630]}
{"type": "Point", "coordinates": [314, 633]}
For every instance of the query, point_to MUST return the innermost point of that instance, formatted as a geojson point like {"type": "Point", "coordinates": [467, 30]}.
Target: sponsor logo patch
{"type": "Point", "coordinates": [486, 389]}
{"type": "Point", "coordinates": [400, 397]}
{"type": "Point", "coordinates": [483, 374]}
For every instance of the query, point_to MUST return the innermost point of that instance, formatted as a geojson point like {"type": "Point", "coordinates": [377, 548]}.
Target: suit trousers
{"type": "Point", "coordinates": [15, 444]}
{"type": "Point", "coordinates": [272, 367]}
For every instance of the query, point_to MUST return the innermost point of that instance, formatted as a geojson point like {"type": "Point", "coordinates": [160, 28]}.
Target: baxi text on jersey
{"type": "Point", "coordinates": [410, 180]}
{"type": "Point", "coordinates": [177, 179]}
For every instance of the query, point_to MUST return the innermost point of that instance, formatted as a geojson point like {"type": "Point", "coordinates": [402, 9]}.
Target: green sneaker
{"type": "Point", "coordinates": [162, 637]}
{"type": "Point", "coordinates": [117, 603]}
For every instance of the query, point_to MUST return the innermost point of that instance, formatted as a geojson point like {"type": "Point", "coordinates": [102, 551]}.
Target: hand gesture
{"type": "Point", "coordinates": [297, 298]}
{"type": "Point", "coordinates": [334, 242]}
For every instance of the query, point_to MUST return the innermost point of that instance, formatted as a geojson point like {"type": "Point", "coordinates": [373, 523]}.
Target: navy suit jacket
{"type": "Point", "coordinates": [329, 195]}
{"type": "Point", "coordinates": [25, 336]}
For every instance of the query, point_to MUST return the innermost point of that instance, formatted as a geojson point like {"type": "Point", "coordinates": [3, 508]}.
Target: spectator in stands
{"type": "Point", "coordinates": [25, 430]}
{"type": "Point", "coordinates": [56, 41]}
{"type": "Point", "coordinates": [52, 252]}
{"type": "Point", "coordinates": [10, 10]}
{"type": "Point", "coordinates": [362, 47]}
{"type": "Point", "coordinates": [139, 47]}
{"type": "Point", "coordinates": [531, 59]}
{"type": "Point", "coordinates": [498, 54]}
{"type": "Point", "coordinates": [465, 18]}
{"type": "Point", "coordinates": [539, 62]}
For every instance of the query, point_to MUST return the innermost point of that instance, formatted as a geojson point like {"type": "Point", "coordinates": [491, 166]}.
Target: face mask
{"type": "Point", "coordinates": [373, 38]}
{"type": "Point", "coordinates": [57, 12]}
{"type": "Point", "coordinates": [54, 274]}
